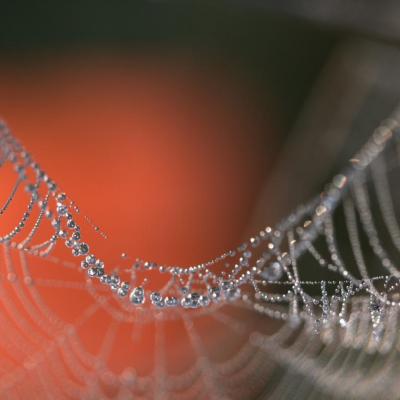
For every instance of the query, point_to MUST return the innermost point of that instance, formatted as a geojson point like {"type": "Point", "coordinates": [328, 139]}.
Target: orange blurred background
{"type": "Point", "coordinates": [165, 155]}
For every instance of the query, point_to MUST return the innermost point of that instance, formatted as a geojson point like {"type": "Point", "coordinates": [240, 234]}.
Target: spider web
{"type": "Point", "coordinates": [305, 309]}
{"type": "Point", "coordinates": [47, 352]}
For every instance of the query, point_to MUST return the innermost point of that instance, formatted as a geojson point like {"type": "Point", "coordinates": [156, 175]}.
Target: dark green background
{"type": "Point", "coordinates": [275, 53]}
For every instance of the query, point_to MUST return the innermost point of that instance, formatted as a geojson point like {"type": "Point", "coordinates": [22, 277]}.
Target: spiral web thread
{"type": "Point", "coordinates": [312, 301]}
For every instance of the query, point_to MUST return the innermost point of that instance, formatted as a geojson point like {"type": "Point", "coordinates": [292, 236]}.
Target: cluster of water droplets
{"type": "Point", "coordinates": [270, 259]}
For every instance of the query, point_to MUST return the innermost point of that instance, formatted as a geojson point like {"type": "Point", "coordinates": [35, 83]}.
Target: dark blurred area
{"type": "Point", "coordinates": [273, 51]}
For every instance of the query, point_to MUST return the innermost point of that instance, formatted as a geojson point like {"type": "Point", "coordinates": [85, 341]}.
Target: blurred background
{"type": "Point", "coordinates": [181, 127]}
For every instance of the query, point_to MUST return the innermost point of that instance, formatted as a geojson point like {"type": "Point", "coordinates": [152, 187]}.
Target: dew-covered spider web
{"type": "Point", "coordinates": [306, 308]}
{"type": "Point", "coordinates": [355, 304]}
